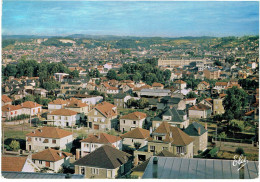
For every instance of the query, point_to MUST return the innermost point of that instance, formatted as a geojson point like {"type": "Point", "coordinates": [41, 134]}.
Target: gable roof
{"type": "Point", "coordinates": [6, 99]}
{"type": "Point", "coordinates": [30, 104]}
{"type": "Point", "coordinates": [102, 138]}
{"type": "Point", "coordinates": [49, 132]}
{"type": "Point", "coordinates": [58, 102]}
{"type": "Point", "coordinates": [134, 116]}
{"type": "Point", "coordinates": [106, 109]}
{"type": "Point", "coordinates": [200, 107]}
{"type": "Point", "coordinates": [205, 83]}
{"type": "Point", "coordinates": [221, 84]}
{"type": "Point", "coordinates": [9, 107]}
{"type": "Point", "coordinates": [193, 129]}
{"type": "Point", "coordinates": [106, 157]}
{"type": "Point", "coordinates": [173, 135]}
{"type": "Point", "coordinates": [13, 163]}
{"type": "Point", "coordinates": [173, 112]}
{"type": "Point", "coordinates": [139, 133]}
{"type": "Point", "coordinates": [179, 82]}
{"type": "Point", "coordinates": [50, 155]}
{"type": "Point", "coordinates": [120, 96]}
{"type": "Point", "coordinates": [63, 112]}
{"type": "Point", "coordinates": [166, 153]}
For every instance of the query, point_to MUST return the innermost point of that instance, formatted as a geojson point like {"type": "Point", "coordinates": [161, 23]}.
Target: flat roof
{"type": "Point", "coordinates": [195, 168]}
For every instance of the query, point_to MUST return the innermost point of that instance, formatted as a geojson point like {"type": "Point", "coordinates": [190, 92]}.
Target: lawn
{"type": "Point", "coordinates": [15, 134]}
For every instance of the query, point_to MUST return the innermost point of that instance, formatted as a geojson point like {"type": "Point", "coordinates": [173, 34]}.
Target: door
{"type": "Point", "coordinates": [47, 164]}
{"type": "Point", "coordinates": [67, 123]}
{"type": "Point", "coordinates": [96, 127]}
{"type": "Point", "coordinates": [30, 147]}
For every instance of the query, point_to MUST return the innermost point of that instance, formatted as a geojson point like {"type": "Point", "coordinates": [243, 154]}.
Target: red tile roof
{"type": "Point", "coordinates": [134, 116]}
{"type": "Point", "coordinates": [221, 84]}
{"type": "Point", "coordinates": [179, 82]}
{"type": "Point", "coordinates": [138, 133]}
{"type": "Point", "coordinates": [49, 132]}
{"type": "Point", "coordinates": [155, 84]}
{"type": "Point", "coordinates": [63, 112]}
{"type": "Point", "coordinates": [50, 155]}
{"type": "Point", "coordinates": [58, 102]}
{"type": "Point", "coordinates": [13, 163]}
{"type": "Point", "coordinates": [9, 107]}
{"type": "Point", "coordinates": [102, 138]}
{"type": "Point", "coordinates": [200, 107]}
{"type": "Point", "coordinates": [30, 104]}
{"type": "Point", "coordinates": [6, 99]}
{"type": "Point", "coordinates": [106, 109]}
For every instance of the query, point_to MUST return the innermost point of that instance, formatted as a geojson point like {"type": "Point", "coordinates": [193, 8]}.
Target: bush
{"type": "Point", "coordinates": [240, 151]}
{"type": "Point", "coordinates": [14, 145]}
{"type": "Point", "coordinates": [213, 152]}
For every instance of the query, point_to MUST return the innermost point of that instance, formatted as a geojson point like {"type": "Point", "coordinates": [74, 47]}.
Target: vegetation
{"type": "Point", "coordinates": [234, 102]}
{"type": "Point", "coordinates": [240, 151]}
{"type": "Point", "coordinates": [14, 145]}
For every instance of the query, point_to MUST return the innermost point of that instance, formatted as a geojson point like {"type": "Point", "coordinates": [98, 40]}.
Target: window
{"type": "Point", "coordinates": [40, 162]}
{"type": "Point", "coordinates": [103, 120]}
{"type": "Point", "coordinates": [46, 147]}
{"type": "Point", "coordinates": [158, 138]}
{"type": "Point", "coordinates": [36, 139]}
{"type": "Point", "coordinates": [165, 148]}
{"type": "Point", "coordinates": [82, 170]}
{"type": "Point", "coordinates": [180, 150]}
{"type": "Point", "coordinates": [134, 122]}
{"type": "Point", "coordinates": [54, 141]}
{"type": "Point", "coordinates": [152, 148]}
{"type": "Point", "coordinates": [94, 171]}
{"type": "Point", "coordinates": [95, 119]}
{"type": "Point", "coordinates": [95, 113]}
{"type": "Point", "coordinates": [124, 121]}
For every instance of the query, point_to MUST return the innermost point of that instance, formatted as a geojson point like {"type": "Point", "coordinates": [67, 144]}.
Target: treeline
{"type": "Point", "coordinates": [6, 43]}
{"type": "Point", "coordinates": [55, 42]}
{"type": "Point", "coordinates": [146, 72]}
{"type": "Point", "coordinates": [32, 68]}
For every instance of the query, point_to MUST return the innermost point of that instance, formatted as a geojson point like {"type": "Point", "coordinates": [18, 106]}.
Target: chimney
{"type": "Point", "coordinates": [155, 167]}
{"type": "Point", "coordinates": [60, 153]}
{"type": "Point", "coordinates": [206, 126]}
{"type": "Point", "coordinates": [171, 134]}
{"type": "Point", "coordinates": [77, 154]}
{"type": "Point", "coordinates": [151, 130]}
{"type": "Point", "coordinates": [199, 130]}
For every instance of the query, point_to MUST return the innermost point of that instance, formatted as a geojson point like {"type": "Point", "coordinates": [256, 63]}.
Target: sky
{"type": "Point", "coordinates": [165, 19]}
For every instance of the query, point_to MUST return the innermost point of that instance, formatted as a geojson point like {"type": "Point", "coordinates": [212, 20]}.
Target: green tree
{"type": "Point", "coordinates": [236, 126]}
{"type": "Point", "coordinates": [10, 70]}
{"type": "Point", "coordinates": [137, 76]}
{"type": "Point", "coordinates": [191, 95]}
{"type": "Point", "coordinates": [14, 145]}
{"type": "Point", "coordinates": [111, 74]}
{"type": "Point", "coordinates": [74, 73]}
{"type": "Point", "coordinates": [234, 102]}
{"type": "Point", "coordinates": [142, 103]}
{"type": "Point", "coordinates": [221, 136]}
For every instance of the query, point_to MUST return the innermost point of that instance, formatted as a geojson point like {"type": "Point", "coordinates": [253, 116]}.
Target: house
{"type": "Point", "coordinates": [10, 111]}
{"type": "Point", "coordinates": [126, 87]}
{"type": "Point", "coordinates": [41, 92]}
{"type": "Point", "coordinates": [173, 116]}
{"type": "Point", "coordinates": [179, 84]}
{"type": "Point", "coordinates": [91, 86]}
{"type": "Point", "coordinates": [77, 106]}
{"type": "Point", "coordinates": [6, 100]}
{"type": "Point", "coordinates": [218, 107]}
{"type": "Point", "coordinates": [221, 85]}
{"type": "Point", "coordinates": [203, 85]}
{"type": "Point", "coordinates": [173, 139]}
{"type": "Point", "coordinates": [51, 159]}
{"type": "Point", "coordinates": [121, 99]}
{"type": "Point", "coordinates": [31, 108]}
{"type": "Point", "coordinates": [106, 88]}
{"type": "Point", "coordinates": [60, 76]}
{"type": "Point", "coordinates": [92, 99]}
{"type": "Point", "coordinates": [63, 117]}
{"type": "Point", "coordinates": [100, 117]}
{"type": "Point", "coordinates": [57, 104]}
{"type": "Point", "coordinates": [199, 111]}
{"type": "Point", "coordinates": [200, 136]}
{"type": "Point", "coordinates": [156, 85]}
{"type": "Point", "coordinates": [131, 121]}
{"type": "Point", "coordinates": [190, 101]}
{"type": "Point", "coordinates": [212, 74]}
{"type": "Point", "coordinates": [93, 142]}
{"type": "Point", "coordinates": [105, 162]}
{"type": "Point", "coordinates": [197, 168]}
{"type": "Point", "coordinates": [172, 101]}
{"type": "Point", "coordinates": [207, 102]}
{"type": "Point", "coordinates": [135, 136]}
{"type": "Point", "coordinates": [48, 137]}
{"type": "Point", "coordinates": [18, 164]}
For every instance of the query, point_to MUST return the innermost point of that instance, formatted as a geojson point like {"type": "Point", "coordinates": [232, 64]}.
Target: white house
{"type": "Point", "coordinates": [92, 100]}
{"type": "Point", "coordinates": [52, 159]}
{"type": "Point", "coordinates": [57, 104]}
{"type": "Point", "coordinates": [131, 121]}
{"type": "Point", "coordinates": [31, 108]}
{"type": "Point", "coordinates": [137, 135]}
{"type": "Point", "coordinates": [63, 117]}
{"type": "Point", "coordinates": [9, 111]}
{"type": "Point", "coordinates": [48, 137]}
{"type": "Point", "coordinates": [93, 142]}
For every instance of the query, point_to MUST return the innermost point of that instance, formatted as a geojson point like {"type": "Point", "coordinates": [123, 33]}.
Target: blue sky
{"type": "Point", "coordinates": [167, 19]}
